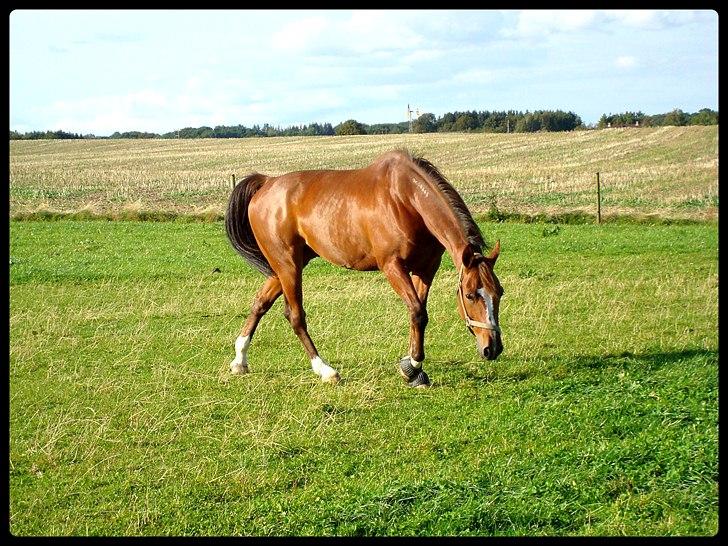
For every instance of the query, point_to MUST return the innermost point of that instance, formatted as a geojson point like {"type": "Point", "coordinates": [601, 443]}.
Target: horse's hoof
{"type": "Point", "coordinates": [406, 370]}
{"type": "Point", "coordinates": [238, 369]}
{"type": "Point", "coordinates": [420, 381]}
{"type": "Point", "coordinates": [333, 378]}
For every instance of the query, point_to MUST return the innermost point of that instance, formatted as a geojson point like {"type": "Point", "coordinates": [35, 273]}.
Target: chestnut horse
{"type": "Point", "coordinates": [397, 215]}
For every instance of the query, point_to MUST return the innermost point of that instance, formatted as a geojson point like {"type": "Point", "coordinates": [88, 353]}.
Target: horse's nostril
{"type": "Point", "coordinates": [486, 352]}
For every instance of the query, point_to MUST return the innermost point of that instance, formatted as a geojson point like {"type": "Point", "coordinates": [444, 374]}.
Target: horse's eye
{"type": "Point", "coordinates": [470, 296]}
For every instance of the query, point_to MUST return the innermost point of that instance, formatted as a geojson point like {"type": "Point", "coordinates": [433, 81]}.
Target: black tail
{"type": "Point", "coordinates": [237, 224]}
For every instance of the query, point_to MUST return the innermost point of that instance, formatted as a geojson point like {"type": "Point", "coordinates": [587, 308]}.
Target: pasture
{"type": "Point", "coordinates": [669, 172]}
{"type": "Point", "coordinates": [599, 418]}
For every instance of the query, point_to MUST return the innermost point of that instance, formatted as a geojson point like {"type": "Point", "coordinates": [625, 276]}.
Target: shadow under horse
{"type": "Point", "coordinates": [398, 215]}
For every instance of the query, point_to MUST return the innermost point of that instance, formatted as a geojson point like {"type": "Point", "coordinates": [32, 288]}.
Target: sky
{"type": "Point", "coordinates": [100, 71]}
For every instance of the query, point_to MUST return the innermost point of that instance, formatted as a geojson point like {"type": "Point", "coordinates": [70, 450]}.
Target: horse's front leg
{"type": "Point", "coordinates": [410, 367]}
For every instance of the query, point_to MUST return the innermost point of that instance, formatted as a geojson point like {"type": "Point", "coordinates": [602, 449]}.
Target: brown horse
{"type": "Point", "coordinates": [397, 215]}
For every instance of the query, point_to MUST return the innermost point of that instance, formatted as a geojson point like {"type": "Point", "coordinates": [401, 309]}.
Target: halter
{"type": "Point", "coordinates": [470, 323]}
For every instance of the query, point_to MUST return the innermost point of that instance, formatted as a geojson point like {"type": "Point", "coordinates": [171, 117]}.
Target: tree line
{"type": "Point", "coordinates": [510, 121]}
{"type": "Point", "coordinates": [46, 135]}
{"type": "Point", "coordinates": [677, 117]}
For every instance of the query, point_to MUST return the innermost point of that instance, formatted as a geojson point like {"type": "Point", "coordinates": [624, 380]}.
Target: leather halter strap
{"type": "Point", "coordinates": [468, 321]}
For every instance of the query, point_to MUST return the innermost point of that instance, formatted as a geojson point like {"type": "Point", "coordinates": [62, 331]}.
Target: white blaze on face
{"type": "Point", "coordinates": [489, 306]}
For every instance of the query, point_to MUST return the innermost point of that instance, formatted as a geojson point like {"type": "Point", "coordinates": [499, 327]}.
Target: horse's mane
{"type": "Point", "coordinates": [452, 197]}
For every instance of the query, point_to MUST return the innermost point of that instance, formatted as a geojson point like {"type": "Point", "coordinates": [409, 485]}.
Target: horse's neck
{"type": "Point", "coordinates": [440, 218]}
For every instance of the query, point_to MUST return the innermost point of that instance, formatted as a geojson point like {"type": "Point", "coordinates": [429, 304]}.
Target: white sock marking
{"type": "Point", "coordinates": [322, 369]}
{"type": "Point", "coordinates": [240, 362]}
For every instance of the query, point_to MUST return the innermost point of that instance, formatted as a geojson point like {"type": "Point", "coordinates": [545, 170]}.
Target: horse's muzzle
{"type": "Point", "coordinates": [491, 352]}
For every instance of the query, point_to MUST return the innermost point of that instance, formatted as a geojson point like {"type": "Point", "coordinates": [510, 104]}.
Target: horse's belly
{"type": "Point", "coordinates": [343, 251]}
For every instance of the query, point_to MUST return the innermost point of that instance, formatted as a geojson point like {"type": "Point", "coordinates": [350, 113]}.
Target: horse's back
{"type": "Point", "coordinates": [353, 218]}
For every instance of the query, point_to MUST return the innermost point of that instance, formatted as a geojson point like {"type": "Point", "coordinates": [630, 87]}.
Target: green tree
{"type": "Point", "coordinates": [530, 123]}
{"type": "Point", "coordinates": [676, 117]}
{"type": "Point", "coordinates": [424, 124]}
{"type": "Point", "coordinates": [705, 116]}
{"type": "Point", "coordinates": [350, 127]}
{"type": "Point", "coordinates": [465, 122]}
{"type": "Point", "coordinates": [444, 124]}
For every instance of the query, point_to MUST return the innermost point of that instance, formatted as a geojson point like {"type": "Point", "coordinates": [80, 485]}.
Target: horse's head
{"type": "Point", "coordinates": [479, 294]}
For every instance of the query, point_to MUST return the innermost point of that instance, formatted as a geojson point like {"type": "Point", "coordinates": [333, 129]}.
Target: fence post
{"type": "Point", "coordinates": [599, 201]}
{"type": "Point", "coordinates": [233, 182]}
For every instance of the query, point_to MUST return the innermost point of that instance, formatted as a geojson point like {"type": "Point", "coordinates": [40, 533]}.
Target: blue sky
{"type": "Point", "coordinates": [93, 71]}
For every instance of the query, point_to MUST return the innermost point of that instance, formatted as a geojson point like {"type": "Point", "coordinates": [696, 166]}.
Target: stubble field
{"type": "Point", "coordinates": [669, 172]}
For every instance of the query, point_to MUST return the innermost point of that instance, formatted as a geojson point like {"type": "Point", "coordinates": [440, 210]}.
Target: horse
{"type": "Point", "coordinates": [397, 215]}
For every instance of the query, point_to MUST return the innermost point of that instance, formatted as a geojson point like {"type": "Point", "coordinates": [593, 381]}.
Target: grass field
{"type": "Point", "coordinates": [671, 172]}
{"type": "Point", "coordinates": [600, 417]}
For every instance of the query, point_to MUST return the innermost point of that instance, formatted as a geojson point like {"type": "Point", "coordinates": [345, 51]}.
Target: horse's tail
{"type": "Point", "coordinates": [237, 223]}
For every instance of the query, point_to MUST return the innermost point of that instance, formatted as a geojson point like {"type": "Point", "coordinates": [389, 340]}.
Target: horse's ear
{"type": "Point", "coordinates": [468, 257]}
{"type": "Point", "coordinates": [471, 257]}
{"type": "Point", "coordinates": [493, 256]}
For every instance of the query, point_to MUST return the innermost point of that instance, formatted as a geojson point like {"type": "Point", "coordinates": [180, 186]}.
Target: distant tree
{"type": "Point", "coordinates": [424, 124]}
{"type": "Point", "coordinates": [705, 116]}
{"type": "Point", "coordinates": [135, 134]}
{"type": "Point", "coordinates": [676, 117]}
{"type": "Point", "coordinates": [445, 123]}
{"type": "Point", "coordinates": [465, 122]}
{"type": "Point", "coordinates": [327, 130]}
{"type": "Point", "coordinates": [494, 122]}
{"type": "Point", "coordinates": [625, 119]}
{"type": "Point", "coordinates": [388, 128]}
{"type": "Point", "coordinates": [350, 127]}
{"type": "Point", "coordinates": [528, 124]}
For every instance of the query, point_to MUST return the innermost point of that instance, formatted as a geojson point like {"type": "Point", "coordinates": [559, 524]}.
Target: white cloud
{"type": "Point", "coordinates": [542, 23]}
{"type": "Point", "coordinates": [474, 76]}
{"type": "Point", "coordinates": [364, 32]}
{"type": "Point", "coordinates": [304, 34]}
{"type": "Point", "coordinates": [639, 18]}
{"type": "Point", "coordinates": [545, 23]}
{"type": "Point", "coordinates": [625, 61]}
{"type": "Point", "coordinates": [144, 110]}
{"type": "Point", "coordinates": [651, 19]}
{"type": "Point", "coordinates": [422, 56]}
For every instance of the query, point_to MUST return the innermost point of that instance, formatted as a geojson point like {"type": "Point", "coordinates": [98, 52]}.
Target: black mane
{"type": "Point", "coordinates": [470, 228]}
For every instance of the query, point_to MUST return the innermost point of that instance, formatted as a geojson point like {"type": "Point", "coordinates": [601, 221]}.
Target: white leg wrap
{"type": "Point", "coordinates": [327, 373]}
{"type": "Point", "coordinates": [239, 365]}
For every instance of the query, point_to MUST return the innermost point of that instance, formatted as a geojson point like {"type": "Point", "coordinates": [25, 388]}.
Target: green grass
{"type": "Point", "coordinates": [600, 417]}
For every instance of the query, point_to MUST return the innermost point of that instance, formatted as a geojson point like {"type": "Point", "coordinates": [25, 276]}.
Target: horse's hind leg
{"type": "Point", "coordinates": [291, 283]}
{"type": "Point", "coordinates": [264, 299]}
